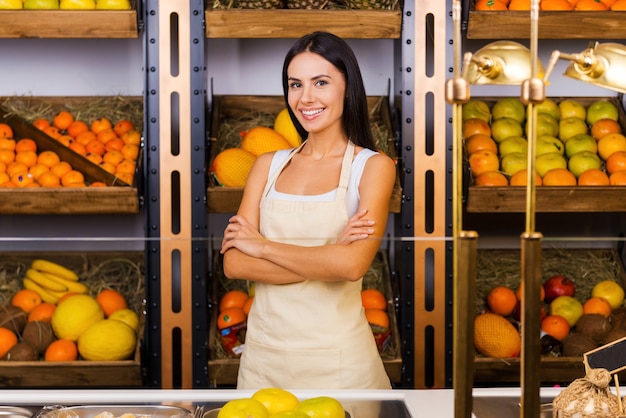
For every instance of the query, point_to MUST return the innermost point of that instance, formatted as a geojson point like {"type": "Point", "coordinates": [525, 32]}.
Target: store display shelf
{"type": "Point", "coordinates": [70, 23]}
{"type": "Point", "coordinates": [292, 23]}
{"type": "Point", "coordinates": [552, 25]}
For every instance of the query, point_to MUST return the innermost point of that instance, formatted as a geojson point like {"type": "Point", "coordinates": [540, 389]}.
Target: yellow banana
{"type": "Point", "coordinates": [45, 295]}
{"type": "Point", "coordinates": [46, 266]}
{"type": "Point", "coordinates": [45, 281]}
{"type": "Point", "coordinates": [71, 286]}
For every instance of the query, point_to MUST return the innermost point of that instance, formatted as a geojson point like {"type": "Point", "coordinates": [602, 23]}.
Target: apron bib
{"type": "Point", "coordinates": [309, 335]}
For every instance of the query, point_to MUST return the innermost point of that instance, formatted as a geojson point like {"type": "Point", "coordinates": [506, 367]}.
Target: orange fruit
{"type": "Point", "coordinates": [555, 5]}
{"type": "Point", "coordinates": [42, 312]}
{"type": "Point", "coordinates": [26, 300]}
{"type": "Point", "coordinates": [556, 326]}
{"type": "Point", "coordinates": [475, 126]}
{"type": "Point", "coordinates": [110, 301]}
{"type": "Point", "coordinates": [76, 128]}
{"type": "Point", "coordinates": [95, 147]}
{"type": "Point", "coordinates": [616, 162]}
{"type": "Point", "coordinates": [229, 317]}
{"type": "Point", "coordinates": [16, 167]}
{"type": "Point", "coordinates": [132, 137]}
{"type": "Point", "coordinates": [501, 300]}
{"type": "Point", "coordinates": [85, 137]}
{"type": "Point", "coordinates": [114, 144]}
{"type": "Point", "coordinates": [616, 179]}
{"type": "Point", "coordinates": [99, 125]}
{"type": "Point", "coordinates": [233, 299]}
{"type": "Point", "coordinates": [123, 126]}
{"type": "Point", "coordinates": [559, 177]}
{"type": "Point", "coordinates": [48, 158]}
{"type": "Point", "coordinates": [7, 156]}
{"type": "Point", "coordinates": [65, 140]}
{"type": "Point", "coordinates": [377, 317]}
{"type": "Point", "coordinates": [608, 3]}
{"type": "Point", "coordinates": [619, 6]}
{"type": "Point", "coordinates": [489, 5]}
{"type": "Point", "coordinates": [373, 299]}
{"type": "Point", "coordinates": [9, 185]}
{"type": "Point", "coordinates": [4, 178]}
{"type": "Point", "coordinates": [114, 157]}
{"type": "Point", "coordinates": [23, 179]}
{"type": "Point", "coordinates": [106, 166]}
{"type": "Point", "coordinates": [7, 340]}
{"type": "Point", "coordinates": [597, 305]}
{"type": "Point", "coordinates": [98, 184]}
{"type": "Point", "coordinates": [28, 158]}
{"type": "Point", "coordinates": [127, 178]}
{"type": "Point", "coordinates": [590, 5]}
{"type": "Point", "coordinates": [61, 168]}
{"type": "Point", "coordinates": [25, 144]}
{"type": "Point", "coordinates": [52, 131]}
{"type": "Point", "coordinates": [479, 142]}
{"type": "Point", "coordinates": [519, 5]}
{"type": "Point", "coordinates": [611, 143]}
{"type": "Point", "coordinates": [482, 161]}
{"type": "Point", "coordinates": [61, 350]}
{"type": "Point", "coordinates": [37, 170]}
{"type": "Point", "coordinates": [3, 167]}
{"type": "Point", "coordinates": [603, 127]}
{"type": "Point", "coordinates": [130, 151]}
{"type": "Point", "coordinates": [106, 135]}
{"type": "Point", "coordinates": [248, 305]}
{"type": "Point", "coordinates": [63, 119]}
{"type": "Point", "coordinates": [41, 123]}
{"type": "Point", "coordinates": [6, 131]}
{"type": "Point", "coordinates": [126, 166]}
{"type": "Point", "coordinates": [7, 144]}
{"type": "Point", "coordinates": [49, 179]}
{"type": "Point", "coordinates": [520, 289]}
{"type": "Point", "coordinates": [72, 177]}
{"type": "Point", "coordinates": [78, 148]}
{"type": "Point", "coordinates": [593, 177]}
{"type": "Point", "coordinates": [94, 158]}
{"type": "Point", "coordinates": [520, 178]}
{"type": "Point", "coordinates": [491, 179]}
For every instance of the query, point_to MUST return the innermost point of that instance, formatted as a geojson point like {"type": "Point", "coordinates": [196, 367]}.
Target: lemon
{"type": "Point", "coordinates": [495, 336]}
{"type": "Point", "coordinates": [107, 340]}
{"type": "Point", "coordinates": [611, 291]}
{"type": "Point", "coordinates": [261, 139]}
{"type": "Point", "coordinates": [284, 126]}
{"type": "Point", "coordinates": [232, 166]}
{"type": "Point", "coordinates": [276, 399]}
{"type": "Point", "coordinates": [244, 407]}
{"type": "Point", "coordinates": [72, 317]}
{"type": "Point", "coordinates": [322, 406]}
{"type": "Point", "coordinates": [127, 316]}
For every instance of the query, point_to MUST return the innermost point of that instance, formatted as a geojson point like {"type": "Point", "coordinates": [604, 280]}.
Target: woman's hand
{"type": "Point", "coordinates": [358, 228]}
{"type": "Point", "coordinates": [242, 235]}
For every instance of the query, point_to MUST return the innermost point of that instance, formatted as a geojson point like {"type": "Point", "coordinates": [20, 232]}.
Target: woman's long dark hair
{"type": "Point", "coordinates": [337, 51]}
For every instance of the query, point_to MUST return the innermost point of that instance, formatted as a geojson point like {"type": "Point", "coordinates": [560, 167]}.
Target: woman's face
{"type": "Point", "coordinates": [316, 92]}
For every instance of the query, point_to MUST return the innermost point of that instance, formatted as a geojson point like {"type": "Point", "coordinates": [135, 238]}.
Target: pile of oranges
{"type": "Point", "coordinates": [233, 308]}
{"type": "Point", "coordinates": [553, 5]}
{"type": "Point", "coordinates": [375, 305]}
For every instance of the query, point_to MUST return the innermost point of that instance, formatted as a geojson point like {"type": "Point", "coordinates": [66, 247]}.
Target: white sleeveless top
{"type": "Point", "coordinates": [352, 196]}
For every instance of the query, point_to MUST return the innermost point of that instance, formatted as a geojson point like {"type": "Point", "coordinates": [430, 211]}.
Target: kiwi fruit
{"type": "Point", "coordinates": [13, 318]}
{"type": "Point", "coordinates": [38, 334]}
{"type": "Point", "coordinates": [594, 326]}
{"type": "Point", "coordinates": [22, 352]}
{"type": "Point", "coordinates": [575, 345]}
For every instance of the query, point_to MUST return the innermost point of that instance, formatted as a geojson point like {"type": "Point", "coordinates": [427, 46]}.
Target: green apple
{"type": "Point", "coordinates": [568, 307]}
{"type": "Point", "coordinates": [546, 144]}
{"type": "Point", "coordinates": [583, 161]}
{"type": "Point", "coordinates": [548, 107]}
{"type": "Point", "coordinates": [509, 107]}
{"type": "Point", "coordinates": [513, 144]}
{"type": "Point", "coordinates": [514, 162]}
{"type": "Point", "coordinates": [549, 161]}
{"type": "Point", "coordinates": [276, 399]}
{"type": "Point", "coordinates": [546, 125]}
{"type": "Point", "coordinates": [77, 4]}
{"type": "Point", "coordinates": [477, 109]}
{"type": "Point", "coordinates": [504, 128]}
{"type": "Point", "coordinates": [602, 109]}
{"type": "Point", "coordinates": [578, 143]}
{"type": "Point", "coordinates": [113, 4]}
{"type": "Point", "coordinates": [571, 108]}
{"type": "Point", "coordinates": [243, 408]}
{"type": "Point", "coordinates": [11, 4]}
{"type": "Point", "coordinates": [322, 407]}
{"type": "Point", "coordinates": [571, 126]}
{"type": "Point", "coordinates": [41, 4]}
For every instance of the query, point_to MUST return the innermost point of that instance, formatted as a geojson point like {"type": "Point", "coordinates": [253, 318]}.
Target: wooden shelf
{"type": "Point", "coordinates": [290, 23]}
{"type": "Point", "coordinates": [552, 25]}
{"type": "Point", "coordinates": [69, 23]}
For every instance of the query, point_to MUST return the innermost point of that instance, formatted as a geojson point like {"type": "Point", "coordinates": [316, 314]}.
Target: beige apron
{"type": "Point", "coordinates": [313, 334]}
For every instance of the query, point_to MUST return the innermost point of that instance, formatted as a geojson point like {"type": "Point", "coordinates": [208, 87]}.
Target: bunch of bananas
{"type": "Point", "coordinates": [51, 280]}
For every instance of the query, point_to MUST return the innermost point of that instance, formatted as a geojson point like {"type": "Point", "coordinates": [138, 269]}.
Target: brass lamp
{"type": "Point", "coordinates": [601, 64]}
{"type": "Point", "coordinates": [501, 63]}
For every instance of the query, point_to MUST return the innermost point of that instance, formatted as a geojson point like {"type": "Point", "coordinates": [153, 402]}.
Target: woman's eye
{"type": "Point", "coordinates": [294, 85]}
{"type": "Point", "coordinates": [321, 83]}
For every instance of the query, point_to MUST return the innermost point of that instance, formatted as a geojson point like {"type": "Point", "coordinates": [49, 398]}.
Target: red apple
{"type": "Point", "coordinates": [558, 285]}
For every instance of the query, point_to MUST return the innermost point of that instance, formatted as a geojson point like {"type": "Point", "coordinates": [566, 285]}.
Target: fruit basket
{"type": "Point", "coordinates": [117, 197]}
{"type": "Point", "coordinates": [548, 199]}
{"type": "Point", "coordinates": [71, 23]}
{"type": "Point", "coordinates": [120, 271]}
{"type": "Point", "coordinates": [589, 25]}
{"type": "Point", "coordinates": [238, 113]}
{"type": "Point", "coordinates": [223, 367]}
{"type": "Point", "coordinates": [585, 267]}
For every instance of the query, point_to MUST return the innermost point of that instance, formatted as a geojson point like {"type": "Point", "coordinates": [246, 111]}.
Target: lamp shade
{"type": "Point", "coordinates": [602, 65]}
{"type": "Point", "coordinates": [501, 62]}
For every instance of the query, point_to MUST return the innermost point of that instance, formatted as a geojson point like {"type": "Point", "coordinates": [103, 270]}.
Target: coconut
{"type": "Point", "coordinates": [39, 334]}
{"type": "Point", "coordinates": [614, 335]}
{"type": "Point", "coordinates": [13, 318]}
{"type": "Point", "coordinates": [575, 345]}
{"type": "Point", "coordinates": [22, 352]}
{"type": "Point", "coordinates": [594, 326]}
{"type": "Point", "coordinates": [618, 317]}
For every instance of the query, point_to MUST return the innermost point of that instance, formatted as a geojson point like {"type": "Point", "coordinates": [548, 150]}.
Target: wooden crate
{"type": "Point", "coordinates": [71, 23]}
{"type": "Point", "coordinates": [223, 370]}
{"type": "Point", "coordinates": [227, 199]}
{"type": "Point", "coordinates": [75, 374]}
{"type": "Point", "coordinates": [554, 370]}
{"type": "Point", "coordinates": [119, 197]}
{"type": "Point", "coordinates": [548, 199]}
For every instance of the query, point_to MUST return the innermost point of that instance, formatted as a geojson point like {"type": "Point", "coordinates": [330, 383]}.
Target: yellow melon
{"type": "Point", "coordinates": [284, 126]}
{"type": "Point", "coordinates": [72, 317]}
{"type": "Point", "coordinates": [495, 336]}
{"type": "Point", "coordinates": [107, 340]}
{"type": "Point", "coordinates": [232, 166]}
{"type": "Point", "coordinates": [261, 139]}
